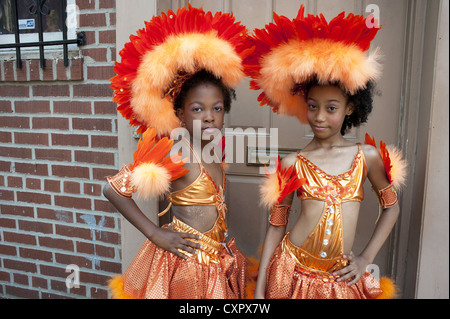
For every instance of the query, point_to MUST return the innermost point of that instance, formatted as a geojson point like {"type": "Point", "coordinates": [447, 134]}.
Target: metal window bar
{"type": "Point", "coordinates": [80, 40]}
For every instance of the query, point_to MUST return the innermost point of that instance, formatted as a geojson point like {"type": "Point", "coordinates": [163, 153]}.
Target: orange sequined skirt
{"type": "Point", "coordinates": [217, 272]}
{"type": "Point", "coordinates": [288, 279]}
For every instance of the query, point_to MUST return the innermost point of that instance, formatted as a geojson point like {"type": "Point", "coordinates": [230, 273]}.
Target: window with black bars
{"type": "Point", "coordinates": [22, 17]}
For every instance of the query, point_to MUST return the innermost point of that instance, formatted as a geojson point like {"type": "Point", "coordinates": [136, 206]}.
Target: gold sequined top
{"type": "Point", "coordinates": [324, 247]}
{"type": "Point", "coordinates": [204, 192]}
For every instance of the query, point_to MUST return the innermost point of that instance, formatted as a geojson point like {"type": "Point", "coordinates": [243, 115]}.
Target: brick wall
{"type": "Point", "coordinates": [58, 140]}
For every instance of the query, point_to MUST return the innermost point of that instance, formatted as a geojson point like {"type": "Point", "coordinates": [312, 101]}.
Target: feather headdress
{"type": "Point", "coordinates": [290, 53]}
{"type": "Point", "coordinates": [170, 48]}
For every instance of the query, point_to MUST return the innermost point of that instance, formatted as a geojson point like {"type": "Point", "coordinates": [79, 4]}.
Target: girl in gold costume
{"type": "Point", "coordinates": [319, 72]}
{"type": "Point", "coordinates": [180, 69]}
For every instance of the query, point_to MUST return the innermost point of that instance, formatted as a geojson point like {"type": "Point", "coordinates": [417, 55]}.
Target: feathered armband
{"type": "Point", "coordinates": [152, 170]}
{"type": "Point", "coordinates": [275, 188]}
{"type": "Point", "coordinates": [395, 167]}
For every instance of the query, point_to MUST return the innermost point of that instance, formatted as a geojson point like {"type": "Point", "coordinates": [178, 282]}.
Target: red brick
{"type": "Point", "coordinates": [92, 124]}
{"type": "Point", "coordinates": [55, 123]}
{"type": "Point", "coordinates": [101, 173]}
{"type": "Point", "coordinates": [48, 71]}
{"type": "Point", "coordinates": [31, 138]}
{"type": "Point", "coordinates": [104, 206]}
{"type": "Point", "coordinates": [5, 137]}
{"type": "Point", "coordinates": [88, 90]}
{"type": "Point", "coordinates": [52, 186]}
{"type": "Point", "coordinates": [7, 223]}
{"type": "Point", "coordinates": [6, 195]}
{"type": "Point", "coordinates": [53, 271]}
{"type": "Point", "coordinates": [97, 54]}
{"type": "Point", "coordinates": [93, 20]}
{"type": "Point", "coordinates": [72, 259]}
{"type": "Point", "coordinates": [19, 265]}
{"type": "Point", "coordinates": [69, 231]}
{"type": "Point", "coordinates": [28, 253]}
{"type": "Point", "coordinates": [92, 189]}
{"type": "Point", "coordinates": [32, 107]}
{"type": "Point", "coordinates": [56, 243]}
{"type": "Point", "coordinates": [108, 36]}
{"type": "Point", "coordinates": [9, 67]}
{"type": "Point", "coordinates": [14, 152]}
{"type": "Point", "coordinates": [38, 282]}
{"type": "Point", "coordinates": [33, 183]}
{"type": "Point", "coordinates": [70, 171]}
{"type": "Point", "coordinates": [14, 91]}
{"type": "Point", "coordinates": [53, 155]}
{"type": "Point", "coordinates": [5, 106]}
{"type": "Point", "coordinates": [76, 70]}
{"type": "Point", "coordinates": [15, 182]}
{"type": "Point", "coordinates": [14, 122]}
{"type": "Point", "coordinates": [107, 4]}
{"type": "Point", "coordinates": [94, 157]}
{"type": "Point", "coordinates": [51, 90]}
{"type": "Point", "coordinates": [70, 140]}
{"type": "Point", "coordinates": [71, 187]}
{"type": "Point", "coordinates": [73, 202]}
{"type": "Point", "coordinates": [22, 73]}
{"type": "Point", "coordinates": [35, 70]}
{"type": "Point", "coordinates": [91, 249]}
{"type": "Point", "coordinates": [8, 250]}
{"type": "Point", "coordinates": [22, 292]}
{"type": "Point", "coordinates": [19, 238]}
{"type": "Point", "coordinates": [35, 226]}
{"type": "Point", "coordinates": [72, 107]}
{"type": "Point", "coordinates": [61, 71]}
{"type": "Point", "coordinates": [5, 167]}
{"type": "Point", "coordinates": [102, 107]}
{"type": "Point", "coordinates": [54, 215]}
{"type": "Point", "coordinates": [17, 210]}
{"type": "Point", "coordinates": [33, 169]}
{"type": "Point", "coordinates": [100, 72]}
{"type": "Point", "coordinates": [35, 198]}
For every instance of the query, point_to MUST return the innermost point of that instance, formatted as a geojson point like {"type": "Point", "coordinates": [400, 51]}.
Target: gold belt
{"type": "Point", "coordinates": [211, 248]}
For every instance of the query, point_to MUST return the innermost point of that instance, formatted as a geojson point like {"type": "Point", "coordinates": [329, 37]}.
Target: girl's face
{"type": "Point", "coordinates": [205, 103]}
{"type": "Point", "coordinates": [327, 108]}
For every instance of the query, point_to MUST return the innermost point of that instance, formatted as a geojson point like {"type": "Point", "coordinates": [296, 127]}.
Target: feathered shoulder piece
{"type": "Point", "coordinates": [278, 185]}
{"type": "Point", "coordinates": [394, 163]}
{"type": "Point", "coordinates": [169, 50]}
{"type": "Point", "coordinates": [152, 169]}
{"type": "Point", "coordinates": [288, 54]}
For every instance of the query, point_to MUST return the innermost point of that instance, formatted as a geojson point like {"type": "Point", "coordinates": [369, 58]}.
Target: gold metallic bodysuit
{"type": "Point", "coordinates": [324, 247]}
{"type": "Point", "coordinates": [307, 272]}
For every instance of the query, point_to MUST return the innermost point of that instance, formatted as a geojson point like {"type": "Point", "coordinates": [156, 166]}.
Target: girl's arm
{"type": "Point", "coordinates": [389, 216]}
{"type": "Point", "coordinates": [164, 238]}
{"type": "Point", "coordinates": [273, 237]}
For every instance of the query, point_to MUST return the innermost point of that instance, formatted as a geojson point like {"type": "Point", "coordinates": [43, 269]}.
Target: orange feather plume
{"type": "Point", "coordinates": [394, 164]}
{"type": "Point", "coordinates": [278, 185]}
{"type": "Point", "coordinates": [152, 169]}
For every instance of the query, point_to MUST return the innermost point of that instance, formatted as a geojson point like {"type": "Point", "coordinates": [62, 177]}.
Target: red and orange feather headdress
{"type": "Point", "coordinates": [290, 53]}
{"type": "Point", "coordinates": [166, 52]}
